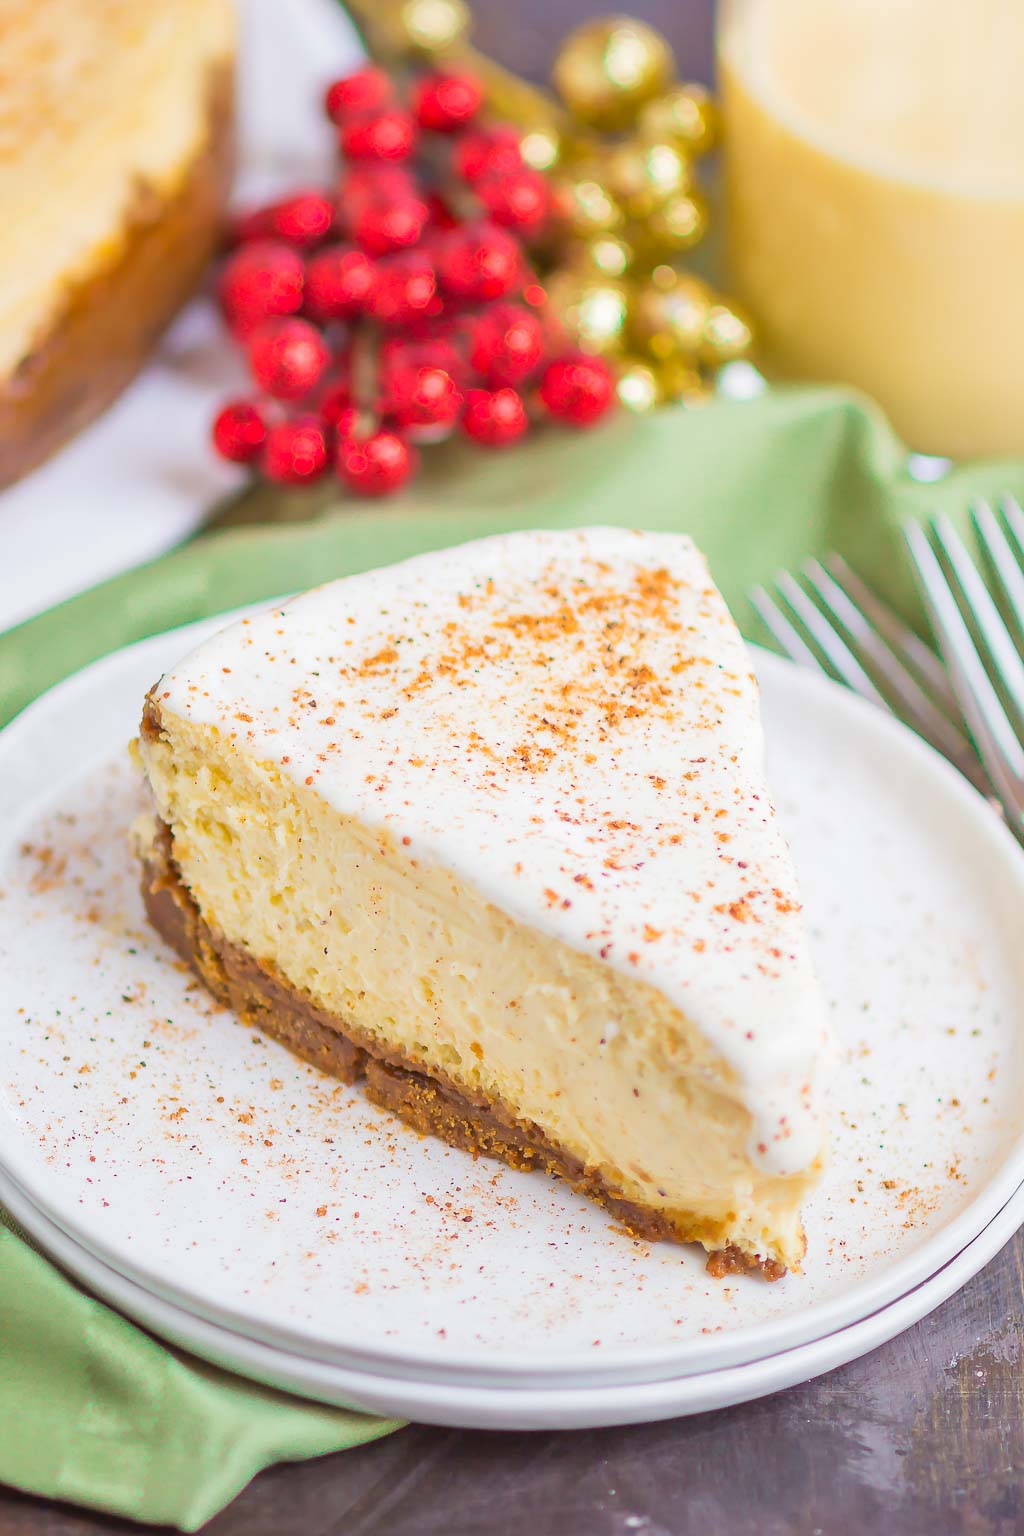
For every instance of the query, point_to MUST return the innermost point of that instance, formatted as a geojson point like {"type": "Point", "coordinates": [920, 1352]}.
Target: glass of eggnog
{"type": "Point", "coordinates": [874, 194]}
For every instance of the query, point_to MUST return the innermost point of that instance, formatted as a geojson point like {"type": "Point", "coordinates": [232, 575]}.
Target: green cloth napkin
{"type": "Point", "coordinates": [760, 484]}
{"type": "Point", "coordinates": [94, 1410]}
{"type": "Point", "coordinates": [91, 1408]}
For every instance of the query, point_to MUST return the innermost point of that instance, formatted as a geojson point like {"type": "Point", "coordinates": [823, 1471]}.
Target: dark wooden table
{"type": "Point", "coordinates": [924, 1437]}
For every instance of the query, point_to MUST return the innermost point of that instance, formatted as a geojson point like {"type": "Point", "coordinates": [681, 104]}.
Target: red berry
{"type": "Point", "coordinates": [381, 206]}
{"type": "Point", "coordinates": [490, 152]}
{"type": "Point", "coordinates": [494, 418]}
{"type": "Point", "coordinates": [518, 199]}
{"type": "Point", "coordinates": [253, 224]}
{"type": "Point", "coordinates": [338, 282]}
{"type": "Point", "coordinates": [302, 219]}
{"type": "Point", "coordinates": [446, 103]}
{"type": "Point", "coordinates": [295, 452]}
{"type": "Point", "coordinates": [364, 91]}
{"type": "Point", "coordinates": [479, 262]}
{"type": "Point", "coordinates": [389, 135]}
{"type": "Point", "coordinates": [578, 389]}
{"type": "Point", "coordinates": [439, 213]}
{"type": "Point", "coordinates": [405, 289]}
{"type": "Point", "coordinates": [346, 423]}
{"type": "Point", "coordinates": [239, 431]}
{"type": "Point", "coordinates": [374, 181]}
{"type": "Point", "coordinates": [436, 350]}
{"type": "Point", "coordinates": [260, 280]}
{"type": "Point", "coordinates": [383, 226]}
{"type": "Point", "coordinates": [419, 394]}
{"type": "Point", "coordinates": [507, 344]}
{"type": "Point", "coordinates": [335, 404]}
{"type": "Point", "coordinates": [376, 465]}
{"type": "Point", "coordinates": [287, 358]}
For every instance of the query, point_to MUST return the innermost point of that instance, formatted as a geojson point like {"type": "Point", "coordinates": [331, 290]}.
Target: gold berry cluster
{"type": "Point", "coordinates": [620, 141]}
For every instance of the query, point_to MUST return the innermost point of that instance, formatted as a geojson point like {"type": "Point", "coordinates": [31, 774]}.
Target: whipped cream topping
{"type": "Point", "coordinates": [567, 721]}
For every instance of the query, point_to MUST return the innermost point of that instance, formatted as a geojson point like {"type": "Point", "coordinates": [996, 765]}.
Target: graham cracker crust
{"type": "Point", "coordinates": [428, 1101]}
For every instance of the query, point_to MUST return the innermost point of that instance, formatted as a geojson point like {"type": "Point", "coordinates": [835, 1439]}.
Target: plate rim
{"type": "Point", "coordinates": [532, 1408]}
{"type": "Point", "coordinates": [729, 1347]}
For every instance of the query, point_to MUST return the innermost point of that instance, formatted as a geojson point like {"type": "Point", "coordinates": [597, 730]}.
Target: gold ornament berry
{"type": "Point", "coordinates": [637, 385]}
{"type": "Point", "coordinates": [684, 116]}
{"type": "Point", "coordinates": [642, 176]}
{"type": "Point", "coordinates": [606, 254]}
{"type": "Point", "coordinates": [678, 225]}
{"type": "Point", "coordinates": [590, 308]}
{"type": "Point", "coordinates": [606, 70]}
{"type": "Point", "coordinates": [617, 147]}
{"type": "Point", "coordinates": [582, 205]}
{"type": "Point", "coordinates": [541, 147]}
{"type": "Point", "coordinates": [679, 380]}
{"type": "Point", "coordinates": [434, 25]}
{"type": "Point", "coordinates": [727, 335]}
{"type": "Point", "coordinates": [669, 315]}
{"type": "Point", "coordinates": [701, 395]}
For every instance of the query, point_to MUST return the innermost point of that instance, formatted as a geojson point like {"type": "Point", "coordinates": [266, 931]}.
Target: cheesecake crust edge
{"type": "Point", "coordinates": [428, 1100]}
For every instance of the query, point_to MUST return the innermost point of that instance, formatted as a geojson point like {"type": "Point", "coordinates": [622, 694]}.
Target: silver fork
{"type": "Point", "coordinates": [831, 620]}
{"type": "Point", "coordinates": [983, 651]}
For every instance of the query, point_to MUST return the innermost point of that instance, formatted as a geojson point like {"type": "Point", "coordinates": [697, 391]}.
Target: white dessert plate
{"type": "Point", "coordinates": [204, 1162]}
{"type": "Point", "coordinates": [522, 1407]}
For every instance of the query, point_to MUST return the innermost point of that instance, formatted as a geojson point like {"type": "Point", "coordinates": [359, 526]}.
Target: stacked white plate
{"type": "Point", "coordinates": [249, 1209]}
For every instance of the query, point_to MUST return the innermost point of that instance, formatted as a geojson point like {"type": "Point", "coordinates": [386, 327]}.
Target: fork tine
{"type": "Point", "coordinates": [986, 719]}
{"type": "Point", "coordinates": [1014, 520]}
{"type": "Point", "coordinates": [891, 627]}
{"type": "Point", "coordinates": [994, 632]}
{"type": "Point", "coordinates": [775, 621]}
{"type": "Point", "coordinates": [923, 713]}
{"type": "Point", "coordinates": [1005, 564]}
{"type": "Point", "coordinates": [828, 639]}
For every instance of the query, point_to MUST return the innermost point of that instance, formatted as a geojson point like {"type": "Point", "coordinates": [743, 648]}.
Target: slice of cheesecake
{"type": "Point", "coordinates": [115, 159]}
{"type": "Point", "coordinates": [490, 827]}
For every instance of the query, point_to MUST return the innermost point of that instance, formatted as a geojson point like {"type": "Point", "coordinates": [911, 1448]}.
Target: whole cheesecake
{"type": "Point", "coordinates": [490, 828]}
{"type": "Point", "coordinates": [115, 160]}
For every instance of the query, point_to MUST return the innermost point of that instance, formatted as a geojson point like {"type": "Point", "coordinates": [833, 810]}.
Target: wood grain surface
{"type": "Point", "coordinates": [924, 1437]}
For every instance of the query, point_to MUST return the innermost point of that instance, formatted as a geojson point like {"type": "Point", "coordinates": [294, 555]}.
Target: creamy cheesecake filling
{"type": "Point", "coordinates": [501, 810]}
{"type": "Point", "coordinates": [414, 956]}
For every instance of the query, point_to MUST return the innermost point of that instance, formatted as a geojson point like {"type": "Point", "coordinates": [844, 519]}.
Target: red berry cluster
{"type": "Point", "coordinates": [388, 314]}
